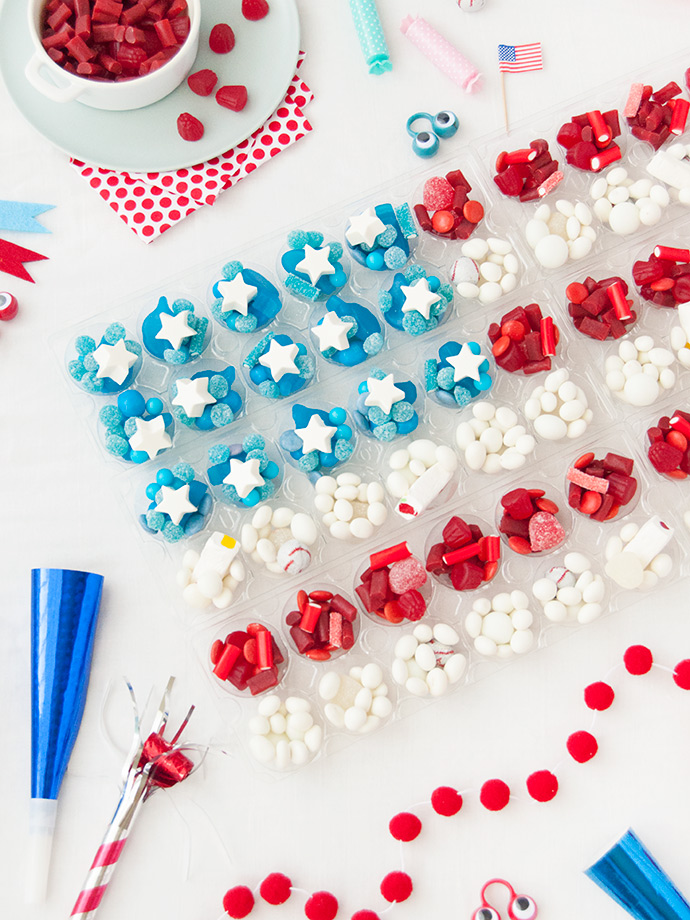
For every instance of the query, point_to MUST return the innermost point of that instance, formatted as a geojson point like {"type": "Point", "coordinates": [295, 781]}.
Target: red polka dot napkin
{"type": "Point", "coordinates": [151, 203]}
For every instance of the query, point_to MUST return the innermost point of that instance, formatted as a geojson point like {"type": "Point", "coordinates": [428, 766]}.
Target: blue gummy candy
{"type": "Point", "coordinates": [462, 396]}
{"type": "Point", "coordinates": [446, 378]}
{"type": "Point", "coordinates": [401, 411]}
{"type": "Point", "coordinates": [113, 333]}
{"type": "Point", "coordinates": [408, 426]}
{"type": "Point", "coordinates": [218, 386]}
{"type": "Point", "coordinates": [395, 257]}
{"type": "Point", "coordinates": [270, 389]}
{"type": "Point", "coordinates": [387, 237]}
{"type": "Point", "coordinates": [246, 323]}
{"type": "Point", "coordinates": [221, 414]}
{"type": "Point", "coordinates": [116, 445]}
{"type": "Point", "coordinates": [344, 449]}
{"type": "Point", "coordinates": [130, 427]}
{"type": "Point", "coordinates": [89, 363]}
{"type": "Point", "coordinates": [253, 442]}
{"type": "Point", "coordinates": [309, 462]}
{"type": "Point", "coordinates": [386, 432]}
{"type": "Point", "coordinates": [297, 239]}
{"type": "Point", "coordinates": [184, 472]}
{"type": "Point", "coordinates": [377, 416]}
{"type": "Point", "coordinates": [110, 417]}
{"type": "Point", "coordinates": [230, 269]}
{"type": "Point", "coordinates": [172, 533]}
{"type": "Point", "coordinates": [373, 343]}
{"type": "Point", "coordinates": [290, 442]}
{"type": "Point", "coordinates": [84, 345]}
{"type": "Point", "coordinates": [155, 519]}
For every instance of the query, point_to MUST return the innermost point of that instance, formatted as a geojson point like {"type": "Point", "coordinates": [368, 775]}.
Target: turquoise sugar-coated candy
{"type": "Point", "coordinates": [173, 533]}
{"type": "Point", "coordinates": [344, 449]}
{"type": "Point", "coordinates": [117, 445]}
{"type": "Point", "coordinates": [183, 471]}
{"type": "Point", "coordinates": [221, 415]}
{"type": "Point", "coordinates": [218, 386]}
{"type": "Point", "coordinates": [401, 411]}
{"type": "Point", "coordinates": [269, 389]}
{"type": "Point", "coordinates": [113, 333]}
{"type": "Point", "coordinates": [373, 343]}
{"type": "Point", "coordinates": [254, 442]}
{"type": "Point", "coordinates": [376, 416]}
{"type": "Point", "coordinates": [297, 239]}
{"type": "Point", "coordinates": [155, 520]}
{"type": "Point", "coordinates": [386, 432]}
{"type": "Point", "coordinates": [309, 462]}
{"type": "Point", "coordinates": [90, 363]}
{"type": "Point", "coordinates": [130, 427]}
{"type": "Point", "coordinates": [387, 237]}
{"type": "Point", "coordinates": [462, 396]}
{"type": "Point", "coordinates": [446, 378]}
{"type": "Point", "coordinates": [84, 345]}
{"type": "Point", "coordinates": [219, 453]}
{"type": "Point", "coordinates": [395, 257]}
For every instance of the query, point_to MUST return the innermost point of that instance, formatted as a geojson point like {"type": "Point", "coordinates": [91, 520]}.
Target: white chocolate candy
{"type": "Point", "coordinates": [212, 576]}
{"type": "Point", "coordinates": [635, 558]}
{"type": "Point", "coordinates": [498, 443]}
{"type": "Point", "coordinates": [640, 372]}
{"type": "Point", "coordinates": [624, 204]}
{"type": "Point", "coordinates": [419, 474]}
{"type": "Point", "coordinates": [280, 538]}
{"type": "Point", "coordinates": [426, 660]}
{"type": "Point", "coordinates": [558, 408]}
{"type": "Point", "coordinates": [351, 509]}
{"type": "Point", "coordinates": [357, 701]}
{"type": "Point", "coordinates": [560, 235]}
{"type": "Point", "coordinates": [284, 733]}
{"type": "Point", "coordinates": [500, 626]}
{"type": "Point", "coordinates": [572, 592]}
{"type": "Point", "coordinates": [487, 270]}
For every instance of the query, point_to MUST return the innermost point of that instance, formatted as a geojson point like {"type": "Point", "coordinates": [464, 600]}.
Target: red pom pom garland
{"type": "Point", "coordinates": [446, 801]}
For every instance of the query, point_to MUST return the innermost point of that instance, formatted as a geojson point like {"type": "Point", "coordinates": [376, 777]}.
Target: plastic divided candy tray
{"type": "Point", "coordinates": [389, 451]}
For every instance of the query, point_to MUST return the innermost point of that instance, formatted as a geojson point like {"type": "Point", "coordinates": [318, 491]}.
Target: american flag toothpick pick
{"type": "Point", "coordinates": [517, 59]}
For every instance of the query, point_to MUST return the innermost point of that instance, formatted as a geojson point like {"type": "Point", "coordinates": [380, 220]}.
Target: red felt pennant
{"type": "Point", "coordinates": [12, 258]}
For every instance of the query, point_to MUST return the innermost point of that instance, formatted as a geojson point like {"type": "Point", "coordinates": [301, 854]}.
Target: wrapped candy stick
{"type": "Point", "coordinates": [441, 53]}
{"type": "Point", "coordinates": [152, 764]}
{"type": "Point", "coordinates": [370, 35]}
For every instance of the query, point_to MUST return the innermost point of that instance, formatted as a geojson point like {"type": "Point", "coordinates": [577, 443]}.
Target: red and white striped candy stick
{"type": "Point", "coordinates": [441, 53]}
{"type": "Point", "coordinates": [151, 764]}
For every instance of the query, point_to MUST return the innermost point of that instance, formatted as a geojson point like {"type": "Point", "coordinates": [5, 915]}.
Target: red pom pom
{"type": "Point", "coordinates": [582, 746]}
{"type": "Point", "coordinates": [638, 660]}
{"type": "Point", "coordinates": [238, 902]}
{"type": "Point", "coordinates": [275, 888]}
{"type": "Point", "coordinates": [494, 794]}
{"type": "Point", "coordinates": [322, 905]}
{"type": "Point", "coordinates": [365, 915]}
{"type": "Point", "coordinates": [542, 785]}
{"type": "Point", "coordinates": [396, 886]}
{"type": "Point", "coordinates": [599, 696]}
{"type": "Point", "coordinates": [405, 826]}
{"type": "Point", "coordinates": [681, 675]}
{"type": "Point", "coordinates": [446, 801]}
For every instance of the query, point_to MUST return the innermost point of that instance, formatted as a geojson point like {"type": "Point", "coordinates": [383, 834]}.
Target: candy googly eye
{"type": "Point", "coordinates": [425, 144]}
{"type": "Point", "coordinates": [522, 908]}
{"type": "Point", "coordinates": [445, 123]}
{"type": "Point", "coordinates": [485, 913]}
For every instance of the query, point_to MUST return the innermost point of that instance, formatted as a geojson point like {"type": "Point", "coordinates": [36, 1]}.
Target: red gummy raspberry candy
{"type": "Point", "coordinates": [664, 457]}
{"type": "Point", "coordinates": [189, 128]}
{"type": "Point", "coordinates": [232, 97]}
{"type": "Point", "coordinates": [406, 575]}
{"type": "Point", "coordinates": [238, 902]}
{"type": "Point", "coordinates": [254, 9]}
{"type": "Point", "coordinates": [545, 532]}
{"type": "Point", "coordinates": [202, 82]}
{"type": "Point", "coordinates": [438, 194]}
{"type": "Point", "coordinates": [518, 504]}
{"type": "Point", "coordinates": [412, 605]}
{"type": "Point", "coordinates": [222, 38]}
{"type": "Point", "coordinates": [457, 533]}
{"type": "Point", "coordinates": [275, 888]}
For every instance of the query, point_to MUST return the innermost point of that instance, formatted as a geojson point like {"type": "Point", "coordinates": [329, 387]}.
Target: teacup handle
{"type": "Point", "coordinates": [46, 87]}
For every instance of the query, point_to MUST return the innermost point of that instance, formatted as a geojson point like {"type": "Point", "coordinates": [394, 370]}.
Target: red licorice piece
{"type": "Point", "coordinates": [189, 128]}
{"type": "Point", "coordinates": [602, 132]}
{"type": "Point", "coordinates": [324, 624]}
{"type": "Point", "coordinates": [599, 309]}
{"type": "Point", "coordinates": [225, 662]}
{"type": "Point", "coordinates": [523, 173]}
{"type": "Point", "coordinates": [222, 38]}
{"type": "Point", "coordinates": [603, 486]}
{"type": "Point", "coordinates": [386, 557]}
{"type": "Point", "coordinates": [458, 561]}
{"type": "Point", "coordinates": [517, 342]}
{"type": "Point", "coordinates": [585, 147]}
{"type": "Point", "coordinates": [679, 117]}
{"type": "Point", "coordinates": [664, 279]}
{"type": "Point", "coordinates": [232, 97]}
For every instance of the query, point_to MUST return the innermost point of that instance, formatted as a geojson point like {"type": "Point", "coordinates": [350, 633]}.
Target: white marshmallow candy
{"type": "Point", "coordinates": [357, 701]}
{"type": "Point", "coordinates": [635, 558]}
{"type": "Point", "coordinates": [558, 408]}
{"type": "Point", "coordinates": [427, 662]}
{"type": "Point", "coordinates": [419, 473]}
{"type": "Point", "coordinates": [487, 270]}
{"type": "Point", "coordinates": [571, 592]}
{"type": "Point", "coordinates": [283, 733]}
{"type": "Point", "coordinates": [501, 626]}
{"type": "Point", "coordinates": [351, 509]}
{"type": "Point", "coordinates": [212, 576]}
{"type": "Point", "coordinates": [500, 443]}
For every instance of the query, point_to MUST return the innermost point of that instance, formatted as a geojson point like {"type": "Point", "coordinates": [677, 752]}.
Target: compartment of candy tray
{"type": "Point", "coordinates": [615, 426]}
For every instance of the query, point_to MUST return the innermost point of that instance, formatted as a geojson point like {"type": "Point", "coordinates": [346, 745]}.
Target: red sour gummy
{"type": "Point", "coordinates": [222, 38]}
{"type": "Point", "coordinates": [202, 82]}
{"type": "Point", "coordinates": [189, 128]}
{"type": "Point", "coordinates": [232, 97]}
{"type": "Point", "coordinates": [437, 194]}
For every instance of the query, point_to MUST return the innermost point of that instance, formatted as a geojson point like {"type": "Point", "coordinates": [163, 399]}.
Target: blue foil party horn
{"type": "Point", "coordinates": [370, 34]}
{"type": "Point", "coordinates": [64, 610]}
{"type": "Point", "coordinates": [630, 875]}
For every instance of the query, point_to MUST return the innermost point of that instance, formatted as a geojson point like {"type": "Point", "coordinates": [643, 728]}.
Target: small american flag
{"type": "Point", "coordinates": [519, 58]}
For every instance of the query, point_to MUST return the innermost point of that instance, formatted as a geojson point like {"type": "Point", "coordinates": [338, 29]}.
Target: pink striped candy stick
{"type": "Point", "coordinates": [441, 53]}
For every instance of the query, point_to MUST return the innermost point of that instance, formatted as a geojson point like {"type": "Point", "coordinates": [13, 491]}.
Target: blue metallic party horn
{"type": "Point", "coordinates": [630, 875]}
{"type": "Point", "coordinates": [64, 610]}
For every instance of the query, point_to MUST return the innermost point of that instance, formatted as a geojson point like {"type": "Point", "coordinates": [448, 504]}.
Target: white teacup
{"type": "Point", "coordinates": [61, 86]}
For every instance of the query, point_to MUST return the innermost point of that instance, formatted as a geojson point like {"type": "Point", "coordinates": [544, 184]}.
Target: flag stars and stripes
{"type": "Point", "coordinates": [520, 58]}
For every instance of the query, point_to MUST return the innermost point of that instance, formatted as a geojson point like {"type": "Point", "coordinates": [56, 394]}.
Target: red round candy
{"type": "Point", "coordinates": [638, 660]}
{"type": "Point", "coordinates": [446, 801]}
{"type": "Point", "coordinates": [275, 888]}
{"type": "Point", "coordinates": [582, 746]}
{"type": "Point", "coordinates": [675, 438]}
{"type": "Point", "coordinates": [599, 696]}
{"type": "Point", "coordinates": [438, 194]}
{"type": "Point", "coordinates": [396, 887]}
{"type": "Point", "coordinates": [473, 211]}
{"type": "Point", "coordinates": [405, 826]}
{"type": "Point", "coordinates": [542, 785]}
{"type": "Point", "coordinates": [322, 905]}
{"type": "Point", "coordinates": [494, 795]}
{"type": "Point", "coordinates": [443, 221]}
{"type": "Point", "coordinates": [681, 674]}
{"type": "Point", "coordinates": [238, 902]}
{"type": "Point", "coordinates": [576, 292]}
{"type": "Point", "coordinates": [514, 330]}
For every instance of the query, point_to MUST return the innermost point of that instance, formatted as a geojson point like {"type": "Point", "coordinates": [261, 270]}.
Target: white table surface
{"type": "Point", "coordinates": [325, 826]}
